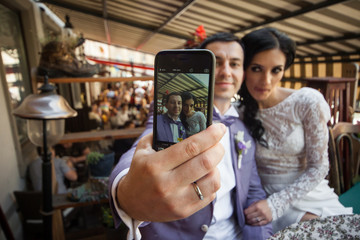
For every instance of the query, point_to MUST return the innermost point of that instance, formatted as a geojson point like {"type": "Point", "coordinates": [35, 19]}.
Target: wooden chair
{"type": "Point", "coordinates": [5, 226]}
{"type": "Point", "coordinates": [344, 156]}
{"type": "Point", "coordinates": [29, 204]}
{"type": "Point", "coordinates": [352, 70]}
{"type": "Point", "coordinates": [336, 92]}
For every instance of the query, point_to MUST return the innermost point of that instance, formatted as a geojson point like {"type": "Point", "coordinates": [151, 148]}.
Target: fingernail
{"type": "Point", "coordinates": [223, 127]}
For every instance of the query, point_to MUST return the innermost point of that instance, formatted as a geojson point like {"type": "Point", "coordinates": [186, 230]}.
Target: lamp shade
{"type": "Point", "coordinates": [46, 105]}
{"type": "Point", "coordinates": [54, 131]}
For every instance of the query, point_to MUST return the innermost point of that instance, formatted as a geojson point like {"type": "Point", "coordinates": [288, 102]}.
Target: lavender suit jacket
{"type": "Point", "coordinates": [248, 190]}
{"type": "Point", "coordinates": [164, 132]}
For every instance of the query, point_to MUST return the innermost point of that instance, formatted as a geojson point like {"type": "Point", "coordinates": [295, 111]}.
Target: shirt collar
{"type": "Point", "coordinates": [177, 120]}
{"type": "Point", "coordinates": [230, 112]}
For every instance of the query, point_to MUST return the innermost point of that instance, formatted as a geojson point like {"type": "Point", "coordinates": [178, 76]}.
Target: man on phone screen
{"type": "Point", "coordinates": [198, 188]}
{"type": "Point", "coordinates": [169, 126]}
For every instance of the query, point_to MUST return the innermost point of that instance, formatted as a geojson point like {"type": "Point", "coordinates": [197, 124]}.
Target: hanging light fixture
{"type": "Point", "coordinates": [67, 22]}
{"type": "Point", "coordinates": [45, 113]}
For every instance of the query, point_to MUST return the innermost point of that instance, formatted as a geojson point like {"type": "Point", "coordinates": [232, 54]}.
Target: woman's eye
{"type": "Point", "coordinates": [277, 70]}
{"type": "Point", "coordinates": [255, 69]}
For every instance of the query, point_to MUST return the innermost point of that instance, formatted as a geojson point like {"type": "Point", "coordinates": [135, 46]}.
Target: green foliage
{"type": "Point", "coordinates": [94, 157]}
{"type": "Point", "coordinates": [107, 217]}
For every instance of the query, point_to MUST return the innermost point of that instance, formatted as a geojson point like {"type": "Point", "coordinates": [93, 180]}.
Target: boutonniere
{"type": "Point", "coordinates": [182, 133]}
{"type": "Point", "coordinates": [241, 146]}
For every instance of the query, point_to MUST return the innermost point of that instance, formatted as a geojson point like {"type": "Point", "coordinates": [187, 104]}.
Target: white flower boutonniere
{"type": "Point", "coordinates": [241, 146]}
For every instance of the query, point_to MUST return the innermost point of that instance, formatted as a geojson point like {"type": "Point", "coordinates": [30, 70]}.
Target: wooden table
{"type": "Point", "coordinates": [61, 202]}
{"type": "Point", "coordinates": [102, 134]}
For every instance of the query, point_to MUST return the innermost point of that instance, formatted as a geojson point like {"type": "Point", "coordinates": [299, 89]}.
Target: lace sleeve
{"type": "Point", "coordinates": [202, 121]}
{"type": "Point", "coordinates": [314, 113]}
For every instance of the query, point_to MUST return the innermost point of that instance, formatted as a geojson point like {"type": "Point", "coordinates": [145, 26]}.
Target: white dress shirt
{"type": "Point", "coordinates": [223, 224]}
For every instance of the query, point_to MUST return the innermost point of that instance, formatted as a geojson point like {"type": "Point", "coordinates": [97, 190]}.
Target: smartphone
{"type": "Point", "coordinates": [183, 95]}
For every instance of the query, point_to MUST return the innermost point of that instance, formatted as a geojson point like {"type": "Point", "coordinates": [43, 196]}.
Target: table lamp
{"type": "Point", "coordinates": [45, 113]}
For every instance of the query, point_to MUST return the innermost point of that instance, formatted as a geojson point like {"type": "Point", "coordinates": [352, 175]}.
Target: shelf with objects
{"type": "Point", "coordinates": [109, 117]}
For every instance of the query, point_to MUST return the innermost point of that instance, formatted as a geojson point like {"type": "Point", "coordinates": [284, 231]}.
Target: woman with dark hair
{"type": "Point", "coordinates": [290, 128]}
{"type": "Point", "coordinates": [193, 121]}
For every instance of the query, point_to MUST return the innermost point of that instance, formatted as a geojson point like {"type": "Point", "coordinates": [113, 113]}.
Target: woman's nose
{"type": "Point", "coordinates": [266, 77]}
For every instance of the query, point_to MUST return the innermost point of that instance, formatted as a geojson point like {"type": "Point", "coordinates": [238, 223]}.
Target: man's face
{"type": "Point", "coordinates": [174, 106]}
{"type": "Point", "coordinates": [229, 72]}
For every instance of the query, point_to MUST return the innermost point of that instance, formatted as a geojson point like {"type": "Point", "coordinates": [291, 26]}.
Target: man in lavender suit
{"type": "Point", "coordinates": [169, 126]}
{"type": "Point", "coordinates": [200, 187]}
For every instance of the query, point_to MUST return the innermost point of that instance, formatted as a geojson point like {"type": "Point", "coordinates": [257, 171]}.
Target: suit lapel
{"type": "Point", "coordinates": [234, 128]}
{"type": "Point", "coordinates": [167, 128]}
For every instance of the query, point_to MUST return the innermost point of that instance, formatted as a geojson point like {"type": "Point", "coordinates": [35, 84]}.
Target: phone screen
{"type": "Point", "coordinates": [183, 95]}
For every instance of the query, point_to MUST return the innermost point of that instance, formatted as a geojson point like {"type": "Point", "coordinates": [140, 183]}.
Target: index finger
{"type": "Point", "coordinates": [181, 152]}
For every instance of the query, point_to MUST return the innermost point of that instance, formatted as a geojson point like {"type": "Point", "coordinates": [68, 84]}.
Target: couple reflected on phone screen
{"type": "Point", "coordinates": [180, 120]}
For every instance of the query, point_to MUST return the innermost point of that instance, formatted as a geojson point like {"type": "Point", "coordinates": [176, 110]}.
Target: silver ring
{"type": "Point", "coordinates": [197, 190]}
{"type": "Point", "coordinates": [258, 219]}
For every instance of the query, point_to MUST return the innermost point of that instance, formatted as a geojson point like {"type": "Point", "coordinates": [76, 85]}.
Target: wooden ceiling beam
{"type": "Point", "coordinates": [330, 39]}
{"type": "Point", "coordinates": [176, 14]}
{"type": "Point", "coordinates": [99, 14]}
{"type": "Point", "coordinates": [291, 14]}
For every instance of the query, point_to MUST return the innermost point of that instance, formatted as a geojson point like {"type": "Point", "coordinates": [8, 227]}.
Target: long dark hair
{"type": "Point", "coordinates": [186, 96]}
{"type": "Point", "coordinates": [254, 43]}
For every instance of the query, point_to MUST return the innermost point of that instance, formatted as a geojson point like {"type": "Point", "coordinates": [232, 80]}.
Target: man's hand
{"type": "Point", "coordinates": [258, 213]}
{"type": "Point", "coordinates": [158, 186]}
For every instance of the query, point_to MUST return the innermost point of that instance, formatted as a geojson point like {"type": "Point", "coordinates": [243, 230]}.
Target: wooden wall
{"type": "Point", "coordinates": [330, 66]}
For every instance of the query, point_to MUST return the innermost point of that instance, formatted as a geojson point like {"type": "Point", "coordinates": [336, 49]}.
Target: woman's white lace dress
{"type": "Point", "coordinates": [197, 123]}
{"type": "Point", "coordinates": [294, 167]}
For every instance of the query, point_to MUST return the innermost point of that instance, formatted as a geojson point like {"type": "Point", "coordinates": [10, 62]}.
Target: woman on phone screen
{"type": "Point", "coordinates": [193, 121]}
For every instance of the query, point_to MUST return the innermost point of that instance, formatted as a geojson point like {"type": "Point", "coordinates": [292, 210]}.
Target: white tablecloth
{"type": "Point", "coordinates": [333, 227]}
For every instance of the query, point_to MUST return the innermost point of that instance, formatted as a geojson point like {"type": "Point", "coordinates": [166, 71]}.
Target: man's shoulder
{"type": "Point", "coordinates": [163, 117]}
{"type": "Point", "coordinates": [160, 117]}
{"type": "Point", "coordinates": [162, 120]}
{"type": "Point", "coordinates": [239, 124]}
{"type": "Point", "coordinates": [35, 163]}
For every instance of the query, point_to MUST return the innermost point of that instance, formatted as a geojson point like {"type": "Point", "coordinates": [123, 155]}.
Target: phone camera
{"type": "Point", "coordinates": [206, 70]}
{"type": "Point", "coordinates": [191, 70]}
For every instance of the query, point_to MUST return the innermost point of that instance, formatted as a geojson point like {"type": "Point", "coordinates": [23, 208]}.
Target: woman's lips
{"type": "Point", "coordinates": [261, 90]}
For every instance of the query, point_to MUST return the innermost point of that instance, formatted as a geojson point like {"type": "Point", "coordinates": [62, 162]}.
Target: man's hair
{"type": "Point", "coordinates": [221, 37]}
{"type": "Point", "coordinates": [128, 123]}
{"type": "Point", "coordinates": [167, 96]}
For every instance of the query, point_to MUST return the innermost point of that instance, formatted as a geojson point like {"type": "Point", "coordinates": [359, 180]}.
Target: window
{"type": "Point", "coordinates": [13, 61]}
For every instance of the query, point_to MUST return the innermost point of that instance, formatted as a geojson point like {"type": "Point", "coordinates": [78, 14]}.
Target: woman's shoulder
{"type": "Point", "coordinates": [199, 114]}
{"type": "Point", "coordinates": [289, 97]}
{"type": "Point", "coordinates": [308, 95]}
{"type": "Point", "coordinates": [311, 100]}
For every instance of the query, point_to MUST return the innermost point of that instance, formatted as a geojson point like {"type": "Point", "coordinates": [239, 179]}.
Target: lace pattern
{"type": "Point", "coordinates": [297, 135]}
{"type": "Point", "coordinates": [332, 227]}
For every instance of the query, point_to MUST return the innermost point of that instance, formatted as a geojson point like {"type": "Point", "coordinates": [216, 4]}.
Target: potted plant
{"type": "Point", "coordinates": [100, 163]}
{"type": "Point", "coordinates": [111, 231]}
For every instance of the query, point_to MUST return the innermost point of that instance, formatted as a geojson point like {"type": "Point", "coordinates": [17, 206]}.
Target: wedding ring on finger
{"type": "Point", "coordinates": [258, 219]}
{"type": "Point", "coordinates": [197, 190]}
